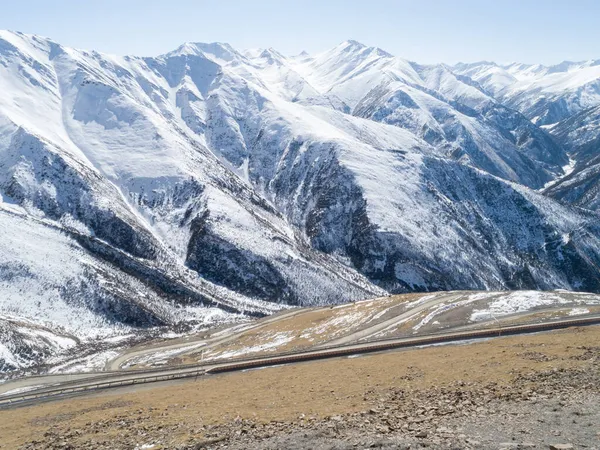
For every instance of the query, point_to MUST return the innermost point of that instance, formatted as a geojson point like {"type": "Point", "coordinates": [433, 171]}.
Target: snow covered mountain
{"type": "Point", "coordinates": [450, 112]}
{"type": "Point", "coordinates": [565, 100]}
{"type": "Point", "coordinates": [580, 134]}
{"type": "Point", "coordinates": [207, 184]}
{"type": "Point", "coordinates": [545, 94]}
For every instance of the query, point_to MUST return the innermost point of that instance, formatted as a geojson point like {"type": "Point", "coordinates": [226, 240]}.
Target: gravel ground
{"type": "Point", "coordinates": [555, 408]}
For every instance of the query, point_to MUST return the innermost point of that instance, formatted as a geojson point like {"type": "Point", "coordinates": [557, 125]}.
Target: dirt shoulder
{"type": "Point", "coordinates": [538, 389]}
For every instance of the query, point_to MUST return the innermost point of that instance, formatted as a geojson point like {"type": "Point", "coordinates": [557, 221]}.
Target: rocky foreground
{"type": "Point", "coordinates": [545, 395]}
{"type": "Point", "coordinates": [561, 413]}
{"type": "Point", "coordinates": [556, 409]}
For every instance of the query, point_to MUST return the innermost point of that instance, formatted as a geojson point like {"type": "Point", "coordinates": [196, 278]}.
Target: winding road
{"type": "Point", "coordinates": [219, 338]}
{"type": "Point", "coordinates": [61, 386]}
{"type": "Point", "coordinates": [366, 333]}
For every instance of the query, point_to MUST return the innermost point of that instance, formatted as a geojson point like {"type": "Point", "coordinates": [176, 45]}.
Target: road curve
{"type": "Point", "coordinates": [114, 366]}
{"type": "Point", "coordinates": [116, 363]}
{"type": "Point", "coordinates": [394, 321]}
{"type": "Point", "coordinates": [149, 376]}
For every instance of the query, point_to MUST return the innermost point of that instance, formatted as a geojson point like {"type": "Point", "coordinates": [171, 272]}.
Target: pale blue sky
{"type": "Point", "coordinates": [421, 30]}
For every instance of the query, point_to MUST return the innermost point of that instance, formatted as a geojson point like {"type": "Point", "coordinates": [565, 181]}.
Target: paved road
{"type": "Point", "coordinates": [219, 338]}
{"type": "Point", "coordinates": [114, 367]}
{"type": "Point", "coordinates": [112, 380]}
{"type": "Point", "coordinates": [394, 321]}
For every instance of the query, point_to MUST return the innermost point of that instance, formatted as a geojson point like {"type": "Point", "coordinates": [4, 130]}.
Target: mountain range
{"type": "Point", "coordinates": [208, 184]}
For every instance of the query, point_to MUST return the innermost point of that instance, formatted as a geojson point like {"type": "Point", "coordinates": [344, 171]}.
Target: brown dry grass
{"type": "Point", "coordinates": [550, 315]}
{"type": "Point", "coordinates": [316, 388]}
{"type": "Point", "coordinates": [304, 329]}
{"type": "Point", "coordinates": [459, 317]}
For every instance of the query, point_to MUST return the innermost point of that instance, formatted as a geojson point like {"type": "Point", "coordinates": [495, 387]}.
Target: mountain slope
{"type": "Point", "coordinates": [564, 99]}
{"type": "Point", "coordinates": [94, 142]}
{"type": "Point", "coordinates": [545, 94]}
{"type": "Point", "coordinates": [580, 134]}
{"type": "Point", "coordinates": [323, 169]}
{"type": "Point", "coordinates": [450, 112]}
{"type": "Point", "coordinates": [206, 184]}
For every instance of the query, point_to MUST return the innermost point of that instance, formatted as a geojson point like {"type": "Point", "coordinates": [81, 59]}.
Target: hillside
{"type": "Point", "coordinates": [536, 392]}
{"type": "Point", "coordinates": [141, 196]}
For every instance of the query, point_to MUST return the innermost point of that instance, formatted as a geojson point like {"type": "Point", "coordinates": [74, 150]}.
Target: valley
{"type": "Point", "coordinates": [299, 225]}
{"type": "Point", "coordinates": [154, 208]}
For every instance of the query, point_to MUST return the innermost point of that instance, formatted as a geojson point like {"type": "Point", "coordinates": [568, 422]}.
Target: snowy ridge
{"type": "Point", "coordinates": [545, 94]}
{"type": "Point", "coordinates": [448, 110]}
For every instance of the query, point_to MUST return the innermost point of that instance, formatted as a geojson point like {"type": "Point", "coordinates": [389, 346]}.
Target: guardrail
{"type": "Point", "coordinates": [24, 397]}
{"type": "Point", "coordinates": [369, 347]}
{"type": "Point", "coordinates": [191, 371]}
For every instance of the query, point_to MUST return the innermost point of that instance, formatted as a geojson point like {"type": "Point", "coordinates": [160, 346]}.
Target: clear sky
{"type": "Point", "coordinates": [426, 31]}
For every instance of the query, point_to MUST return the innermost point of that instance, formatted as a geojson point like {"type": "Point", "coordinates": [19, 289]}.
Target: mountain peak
{"type": "Point", "coordinates": [353, 43]}
{"type": "Point", "coordinates": [271, 53]}
{"type": "Point", "coordinates": [352, 46]}
{"type": "Point", "coordinates": [218, 51]}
